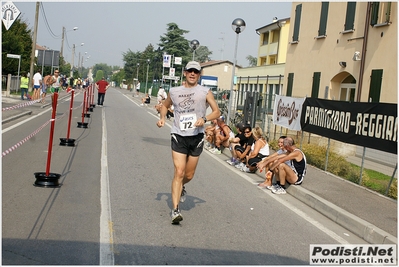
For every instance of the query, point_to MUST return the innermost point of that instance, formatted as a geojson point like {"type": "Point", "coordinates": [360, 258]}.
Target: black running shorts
{"type": "Point", "coordinates": [188, 145]}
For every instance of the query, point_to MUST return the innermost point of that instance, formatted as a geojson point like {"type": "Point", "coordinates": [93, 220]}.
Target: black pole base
{"type": "Point", "coordinates": [82, 124]}
{"type": "Point", "coordinates": [42, 180]}
{"type": "Point", "coordinates": [92, 105]}
{"type": "Point", "coordinates": [87, 115]}
{"type": "Point", "coordinates": [67, 142]}
{"type": "Point", "coordinates": [90, 109]}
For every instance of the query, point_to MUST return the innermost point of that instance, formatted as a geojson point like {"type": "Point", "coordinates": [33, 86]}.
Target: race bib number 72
{"type": "Point", "coordinates": [187, 122]}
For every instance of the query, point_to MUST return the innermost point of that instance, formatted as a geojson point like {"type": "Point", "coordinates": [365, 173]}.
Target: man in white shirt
{"type": "Point", "coordinates": [37, 85]}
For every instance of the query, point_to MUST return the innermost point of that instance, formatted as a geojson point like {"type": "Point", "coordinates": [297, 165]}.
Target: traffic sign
{"type": "Point", "coordinates": [9, 14]}
{"type": "Point", "coordinates": [13, 56]}
{"type": "Point", "coordinates": [165, 77]}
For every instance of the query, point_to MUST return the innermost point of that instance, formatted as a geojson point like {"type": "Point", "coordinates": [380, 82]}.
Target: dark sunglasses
{"type": "Point", "coordinates": [247, 132]}
{"type": "Point", "coordinates": [56, 72]}
{"type": "Point", "coordinates": [193, 70]}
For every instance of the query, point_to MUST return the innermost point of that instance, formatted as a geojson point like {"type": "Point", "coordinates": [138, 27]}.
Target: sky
{"type": "Point", "coordinates": [108, 29]}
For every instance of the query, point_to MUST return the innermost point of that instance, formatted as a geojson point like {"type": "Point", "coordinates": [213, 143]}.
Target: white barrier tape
{"type": "Point", "coordinates": [25, 104]}
{"type": "Point", "coordinates": [24, 140]}
{"type": "Point", "coordinates": [21, 105]}
{"type": "Point", "coordinates": [7, 151]}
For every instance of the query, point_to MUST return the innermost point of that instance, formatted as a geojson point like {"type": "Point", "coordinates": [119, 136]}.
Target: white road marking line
{"type": "Point", "coordinates": [106, 225]}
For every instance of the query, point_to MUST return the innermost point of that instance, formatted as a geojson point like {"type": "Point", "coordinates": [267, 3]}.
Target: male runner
{"type": "Point", "coordinates": [190, 102]}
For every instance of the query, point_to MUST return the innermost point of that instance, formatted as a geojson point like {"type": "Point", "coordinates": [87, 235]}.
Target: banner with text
{"type": "Point", "coordinates": [287, 112]}
{"type": "Point", "coordinates": [373, 125]}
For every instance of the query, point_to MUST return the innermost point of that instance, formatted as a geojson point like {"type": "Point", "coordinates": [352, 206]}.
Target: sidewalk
{"type": "Point", "coordinates": [369, 215]}
{"type": "Point", "coordinates": [28, 107]}
{"type": "Point", "coordinates": [365, 213]}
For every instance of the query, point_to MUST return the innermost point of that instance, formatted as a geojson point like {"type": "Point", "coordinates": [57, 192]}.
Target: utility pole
{"type": "Point", "coordinates": [73, 58]}
{"type": "Point", "coordinates": [32, 55]}
{"type": "Point", "coordinates": [62, 42]}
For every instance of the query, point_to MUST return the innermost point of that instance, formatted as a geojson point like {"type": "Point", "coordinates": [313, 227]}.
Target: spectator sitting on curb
{"type": "Point", "coordinates": [210, 135]}
{"type": "Point", "coordinates": [266, 163]}
{"type": "Point", "coordinates": [145, 100]}
{"type": "Point", "coordinates": [259, 150]}
{"type": "Point", "coordinates": [293, 174]}
{"type": "Point", "coordinates": [170, 112]}
{"type": "Point", "coordinates": [243, 151]}
{"type": "Point", "coordinates": [238, 139]}
{"type": "Point", "coordinates": [222, 136]}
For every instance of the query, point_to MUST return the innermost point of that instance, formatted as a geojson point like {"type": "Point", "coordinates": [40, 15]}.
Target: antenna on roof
{"type": "Point", "coordinates": [222, 50]}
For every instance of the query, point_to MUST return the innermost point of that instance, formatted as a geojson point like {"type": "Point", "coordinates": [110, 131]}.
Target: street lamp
{"type": "Point", "coordinates": [194, 45]}
{"type": "Point", "coordinates": [73, 58]}
{"type": "Point", "coordinates": [146, 80]}
{"type": "Point", "coordinates": [238, 26]}
{"type": "Point", "coordinates": [63, 34]}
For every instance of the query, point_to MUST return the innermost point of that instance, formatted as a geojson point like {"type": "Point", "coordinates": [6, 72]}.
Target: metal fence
{"type": "Point", "coordinates": [14, 83]}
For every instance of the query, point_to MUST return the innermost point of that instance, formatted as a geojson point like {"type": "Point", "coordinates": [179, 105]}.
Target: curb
{"type": "Point", "coordinates": [356, 225]}
{"type": "Point", "coordinates": [16, 116]}
{"type": "Point", "coordinates": [29, 112]}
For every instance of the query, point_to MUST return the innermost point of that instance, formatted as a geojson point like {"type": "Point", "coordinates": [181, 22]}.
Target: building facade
{"type": "Point", "coordinates": [343, 51]}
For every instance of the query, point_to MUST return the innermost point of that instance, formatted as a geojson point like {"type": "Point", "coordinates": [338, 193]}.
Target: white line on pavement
{"type": "Point", "coordinates": [106, 224]}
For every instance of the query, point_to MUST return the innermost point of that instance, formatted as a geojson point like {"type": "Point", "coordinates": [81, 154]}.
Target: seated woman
{"type": "Point", "coordinates": [266, 163]}
{"type": "Point", "coordinates": [259, 150]}
{"type": "Point", "coordinates": [146, 100]}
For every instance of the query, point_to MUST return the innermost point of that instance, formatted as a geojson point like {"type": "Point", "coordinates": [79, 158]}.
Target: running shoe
{"type": "Point", "coordinates": [176, 216]}
{"type": "Point", "coordinates": [183, 195]}
{"type": "Point", "coordinates": [279, 190]}
{"type": "Point", "coordinates": [240, 165]}
{"type": "Point", "coordinates": [245, 169]}
{"type": "Point", "coordinates": [216, 151]}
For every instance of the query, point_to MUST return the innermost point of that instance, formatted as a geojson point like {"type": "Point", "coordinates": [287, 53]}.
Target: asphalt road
{"type": "Point", "coordinates": [113, 207]}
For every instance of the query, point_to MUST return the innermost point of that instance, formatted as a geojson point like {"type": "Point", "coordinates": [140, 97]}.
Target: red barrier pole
{"type": "Point", "coordinates": [70, 113]}
{"type": "Point", "coordinates": [50, 143]}
{"type": "Point", "coordinates": [84, 107]}
{"type": "Point", "coordinates": [92, 95]}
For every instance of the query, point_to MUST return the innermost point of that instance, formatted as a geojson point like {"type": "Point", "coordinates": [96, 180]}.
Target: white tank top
{"type": "Point", "coordinates": [189, 105]}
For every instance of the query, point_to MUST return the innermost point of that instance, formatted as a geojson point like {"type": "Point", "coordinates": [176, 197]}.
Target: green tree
{"type": "Point", "coordinates": [202, 54]}
{"type": "Point", "coordinates": [252, 61]}
{"type": "Point", "coordinates": [99, 75]}
{"type": "Point", "coordinates": [107, 70]}
{"type": "Point", "coordinates": [173, 43]}
{"type": "Point", "coordinates": [17, 40]}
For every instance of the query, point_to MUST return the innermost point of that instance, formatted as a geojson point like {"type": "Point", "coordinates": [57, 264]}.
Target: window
{"type": "Point", "coordinates": [272, 60]}
{"type": "Point", "coordinates": [290, 83]}
{"type": "Point", "coordinates": [347, 93]}
{"type": "Point", "coordinates": [380, 13]}
{"type": "Point", "coordinates": [298, 11]}
{"type": "Point", "coordinates": [275, 36]}
{"type": "Point", "coordinates": [323, 19]}
{"type": "Point", "coordinates": [265, 38]}
{"type": "Point", "coordinates": [316, 84]}
{"type": "Point", "coordinates": [350, 16]}
{"type": "Point", "coordinates": [375, 86]}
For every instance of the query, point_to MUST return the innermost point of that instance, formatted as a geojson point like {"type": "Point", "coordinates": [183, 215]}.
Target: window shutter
{"type": "Point", "coordinates": [374, 13]}
{"type": "Point", "coordinates": [375, 85]}
{"type": "Point", "coordinates": [323, 18]}
{"type": "Point", "coordinates": [350, 16]}
{"type": "Point", "coordinates": [316, 84]}
{"type": "Point", "coordinates": [290, 83]}
{"type": "Point", "coordinates": [298, 12]}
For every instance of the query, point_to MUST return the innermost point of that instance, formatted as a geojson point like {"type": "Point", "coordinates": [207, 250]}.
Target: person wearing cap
{"type": "Point", "coordinates": [190, 102]}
